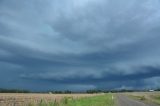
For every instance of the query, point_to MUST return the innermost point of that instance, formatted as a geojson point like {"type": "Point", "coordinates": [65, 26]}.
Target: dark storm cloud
{"type": "Point", "coordinates": [146, 72]}
{"type": "Point", "coordinates": [79, 44]}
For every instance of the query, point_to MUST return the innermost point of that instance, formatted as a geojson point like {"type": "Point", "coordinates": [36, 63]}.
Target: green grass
{"type": "Point", "coordinates": [101, 100]}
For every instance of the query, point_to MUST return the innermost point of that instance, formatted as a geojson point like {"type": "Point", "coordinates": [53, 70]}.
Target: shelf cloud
{"type": "Point", "coordinates": [79, 44]}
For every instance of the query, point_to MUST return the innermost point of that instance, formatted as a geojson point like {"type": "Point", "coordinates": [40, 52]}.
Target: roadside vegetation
{"type": "Point", "coordinates": [141, 98]}
{"type": "Point", "coordinates": [156, 99]}
{"type": "Point", "coordinates": [150, 97]}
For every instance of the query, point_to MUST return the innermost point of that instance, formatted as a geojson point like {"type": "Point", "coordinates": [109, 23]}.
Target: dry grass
{"type": "Point", "coordinates": [14, 99]}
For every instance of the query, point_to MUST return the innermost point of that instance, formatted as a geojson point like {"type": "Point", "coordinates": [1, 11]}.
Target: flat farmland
{"type": "Point", "coordinates": [20, 99]}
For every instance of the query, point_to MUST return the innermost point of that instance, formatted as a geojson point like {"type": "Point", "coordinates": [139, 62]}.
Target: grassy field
{"type": "Point", "coordinates": [56, 100]}
{"type": "Point", "coordinates": [101, 100]}
{"type": "Point", "coordinates": [147, 97]}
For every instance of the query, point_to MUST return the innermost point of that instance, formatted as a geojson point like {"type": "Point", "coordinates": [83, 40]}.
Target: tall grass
{"type": "Point", "coordinates": [101, 100]}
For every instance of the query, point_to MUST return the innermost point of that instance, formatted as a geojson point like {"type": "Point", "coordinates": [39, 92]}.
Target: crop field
{"type": "Point", "coordinates": [56, 99]}
{"type": "Point", "coordinates": [147, 97]}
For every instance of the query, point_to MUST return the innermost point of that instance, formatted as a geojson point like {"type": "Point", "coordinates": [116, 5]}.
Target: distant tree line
{"type": "Point", "coordinates": [94, 91]}
{"type": "Point", "coordinates": [157, 89]}
{"type": "Point", "coordinates": [107, 91]}
{"type": "Point", "coordinates": [91, 91]}
{"type": "Point", "coordinates": [61, 92]}
{"type": "Point", "coordinates": [13, 91]}
{"type": "Point", "coordinates": [118, 91]}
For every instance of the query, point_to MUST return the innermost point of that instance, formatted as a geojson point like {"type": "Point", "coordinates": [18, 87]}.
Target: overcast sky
{"type": "Point", "coordinates": [79, 44]}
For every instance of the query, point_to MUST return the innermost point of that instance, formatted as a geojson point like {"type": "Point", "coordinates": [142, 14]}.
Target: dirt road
{"type": "Point", "coordinates": [123, 100]}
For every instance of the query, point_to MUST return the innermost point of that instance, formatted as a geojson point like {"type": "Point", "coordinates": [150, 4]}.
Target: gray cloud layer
{"type": "Point", "coordinates": [79, 44]}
